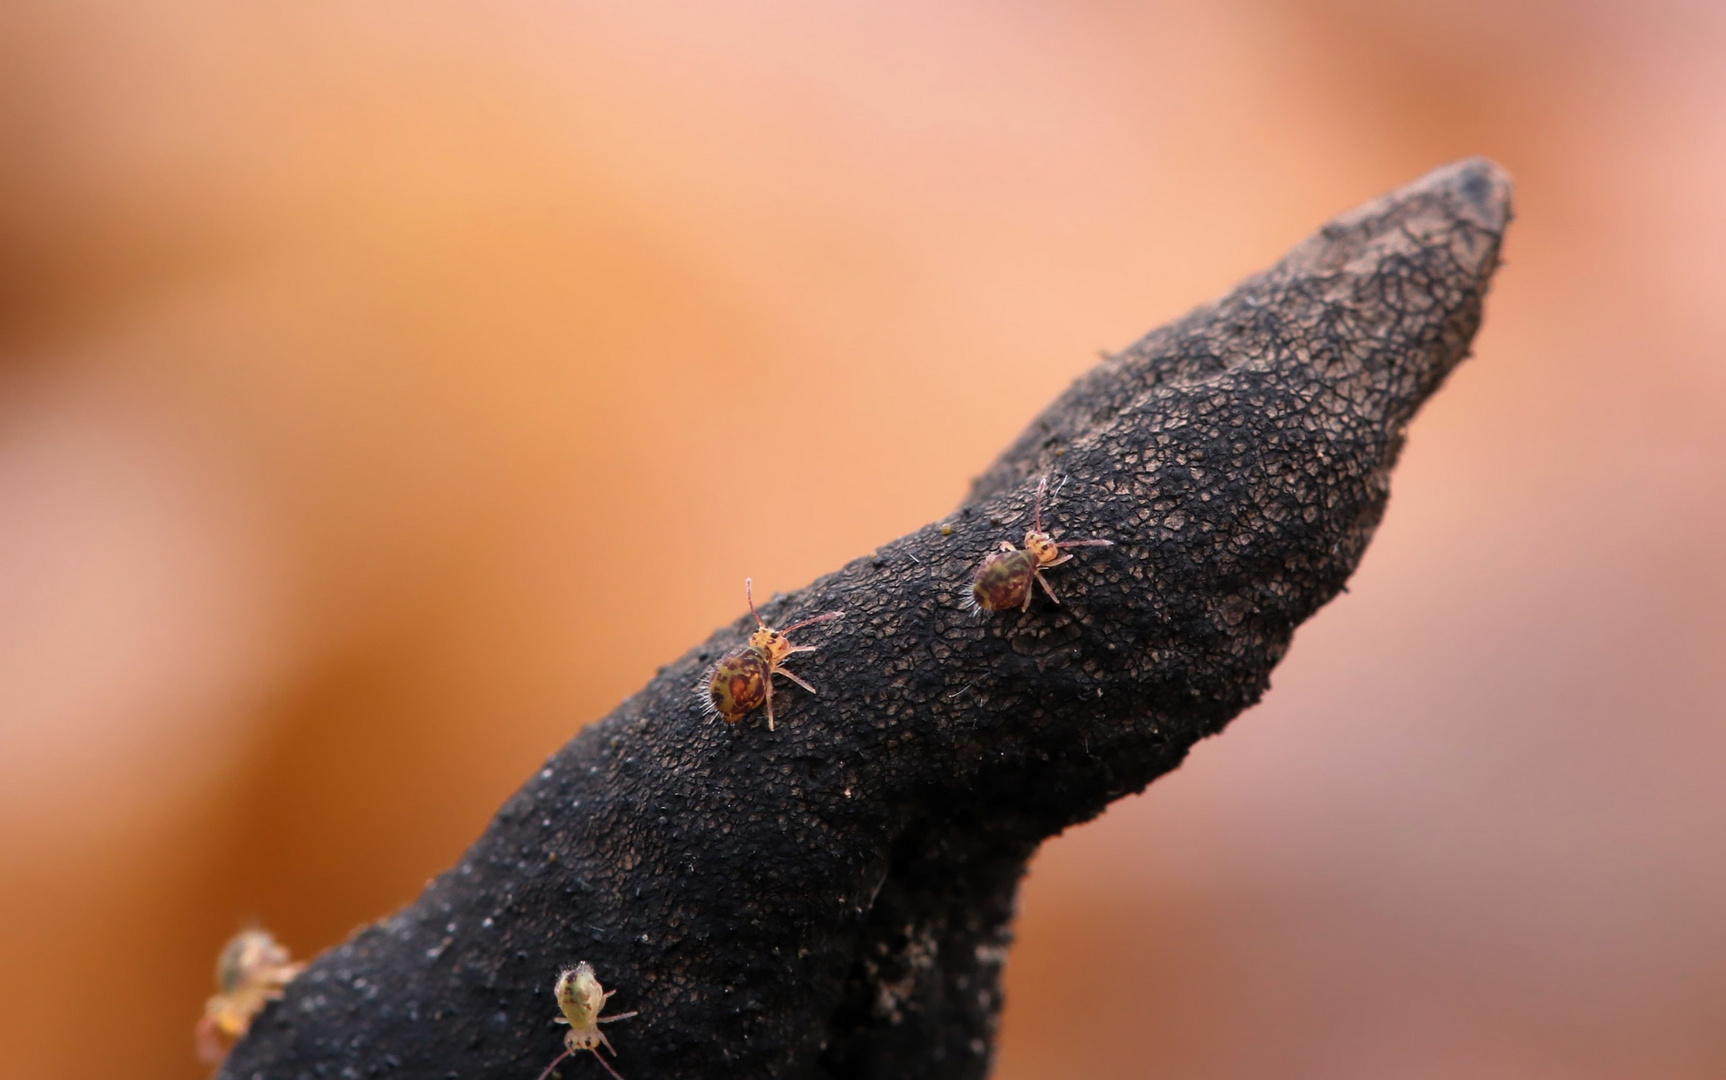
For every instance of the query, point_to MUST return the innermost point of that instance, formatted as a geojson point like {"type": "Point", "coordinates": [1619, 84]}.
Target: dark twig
{"type": "Point", "coordinates": [833, 899]}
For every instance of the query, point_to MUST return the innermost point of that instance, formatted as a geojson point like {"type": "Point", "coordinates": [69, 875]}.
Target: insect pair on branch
{"type": "Point", "coordinates": [742, 680]}
{"type": "Point", "coordinates": [254, 969]}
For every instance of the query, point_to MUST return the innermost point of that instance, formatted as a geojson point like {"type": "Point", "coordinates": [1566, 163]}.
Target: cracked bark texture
{"type": "Point", "coordinates": [834, 898]}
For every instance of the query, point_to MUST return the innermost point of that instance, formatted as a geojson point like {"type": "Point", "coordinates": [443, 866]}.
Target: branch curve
{"type": "Point", "coordinates": [834, 899]}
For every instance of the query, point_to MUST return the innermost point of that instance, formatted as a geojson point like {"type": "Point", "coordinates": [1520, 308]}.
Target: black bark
{"type": "Point", "coordinates": [834, 898]}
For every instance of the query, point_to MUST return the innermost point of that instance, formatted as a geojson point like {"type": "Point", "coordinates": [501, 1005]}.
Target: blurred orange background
{"type": "Point", "coordinates": [388, 389]}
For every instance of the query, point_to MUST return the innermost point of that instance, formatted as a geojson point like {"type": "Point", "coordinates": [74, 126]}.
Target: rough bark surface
{"type": "Point", "coordinates": [834, 898]}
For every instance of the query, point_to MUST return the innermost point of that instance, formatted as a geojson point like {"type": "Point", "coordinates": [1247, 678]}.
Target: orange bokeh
{"type": "Point", "coordinates": [386, 391]}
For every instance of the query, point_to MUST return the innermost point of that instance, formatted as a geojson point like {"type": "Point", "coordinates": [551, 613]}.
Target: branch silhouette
{"type": "Point", "coordinates": [834, 898]}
